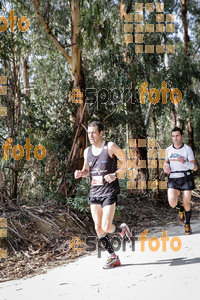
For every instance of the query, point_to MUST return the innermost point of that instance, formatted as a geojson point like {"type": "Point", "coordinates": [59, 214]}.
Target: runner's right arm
{"type": "Point", "coordinates": [166, 168]}
{"type": "Point", "coordinates": [85, 171]}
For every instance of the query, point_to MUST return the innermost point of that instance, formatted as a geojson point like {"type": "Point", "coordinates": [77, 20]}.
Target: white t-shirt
{"type": "Point", "coordinates": [172, 153]}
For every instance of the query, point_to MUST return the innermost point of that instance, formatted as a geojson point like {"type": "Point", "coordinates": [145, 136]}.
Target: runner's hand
{"type": "Point", "coordinates": [181, 159]}
{"type": "Point", "coordinates": [110, 177]}
{"type": "Point", "coordinates": [167, 170]}
{"type": "Point", "coordinates": [78, 174]}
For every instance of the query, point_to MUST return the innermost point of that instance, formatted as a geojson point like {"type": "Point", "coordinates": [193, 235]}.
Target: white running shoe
{"type": "Point", "coordinates": [126, 234]}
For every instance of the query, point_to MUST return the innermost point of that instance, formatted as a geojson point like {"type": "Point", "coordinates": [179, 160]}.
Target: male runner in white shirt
{"type": "Point", "coordinates": [179, 164]}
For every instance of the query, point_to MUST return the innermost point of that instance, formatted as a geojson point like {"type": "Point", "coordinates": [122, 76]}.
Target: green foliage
{"type": "Point", "coordinates": [79, 204]}
{"type": "Point", "coordinates": [80, 201]}
{"type": "Point", "coordinates": [47, 117]}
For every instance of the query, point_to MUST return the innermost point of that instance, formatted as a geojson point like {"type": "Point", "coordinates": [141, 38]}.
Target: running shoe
{"type": "Point", "coordinates": [181, 216]}
{"type": "Point", "coordinates": [112, 261]}
{"type": "Point", "coordinates": [126, 234]}
{"type": "Point", "coordinates": [188, 229]}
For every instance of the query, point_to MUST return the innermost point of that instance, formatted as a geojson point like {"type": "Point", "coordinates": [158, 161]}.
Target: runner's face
{"type": "Point", "coordinates": [94, 135]}
{"type": "Point", "coordinates": [177, 138]}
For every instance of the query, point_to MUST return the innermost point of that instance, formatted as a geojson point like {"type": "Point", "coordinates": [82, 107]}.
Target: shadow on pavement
{"type": "Point", "coordinates": [171, 262]}
{"type": "Point", "coordinates": [176, 230]}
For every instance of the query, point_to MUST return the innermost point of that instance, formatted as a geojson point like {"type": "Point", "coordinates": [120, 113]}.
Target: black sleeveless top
{"type": "Point", "coordinates": [99, 166]}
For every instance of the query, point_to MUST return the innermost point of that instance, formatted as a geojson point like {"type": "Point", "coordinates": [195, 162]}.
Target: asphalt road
{"type": "Point", "coordinates": [143, 275]}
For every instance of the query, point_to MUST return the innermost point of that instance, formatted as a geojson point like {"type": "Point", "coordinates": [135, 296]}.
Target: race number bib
{"type": "Point", "coordinates": [97, 180]}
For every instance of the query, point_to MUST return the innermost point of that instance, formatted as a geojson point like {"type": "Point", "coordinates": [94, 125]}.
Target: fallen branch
{"type": "Point", "coordinates": [20, 236]}
{"type": "Point", "coordinates": [78, 218]}
{"type": "Point", "coordinates": [75, 221]}
{"type": "Point", "coordinates": [42, 220]}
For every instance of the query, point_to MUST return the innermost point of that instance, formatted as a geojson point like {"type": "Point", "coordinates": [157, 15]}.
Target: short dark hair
{"type": "Point", "coordinates": [178, 129]}
{"type": "Point", "coordinates": [98, 124]}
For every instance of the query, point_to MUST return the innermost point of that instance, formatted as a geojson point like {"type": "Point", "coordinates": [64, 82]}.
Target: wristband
{"type": "Point", "coordinates": [189, 165]}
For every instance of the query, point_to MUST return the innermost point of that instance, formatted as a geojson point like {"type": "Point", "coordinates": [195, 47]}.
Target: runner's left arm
{"type": "Point", "coordinates": [113, 149]}
{"type": "Point", "coordinates": [190, 163]}
{"type": "Point", "coordinates": [195, 165]}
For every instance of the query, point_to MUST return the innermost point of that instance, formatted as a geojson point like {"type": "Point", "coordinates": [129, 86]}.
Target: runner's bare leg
{"type": "Point", "coordinates": [107, 219]}
{"type": "Point", "coordinates": [187, 200]}
{"type": "Point", "coordinates": [173, 195]}
{"type": "Point", "coordinates": [97, 213]}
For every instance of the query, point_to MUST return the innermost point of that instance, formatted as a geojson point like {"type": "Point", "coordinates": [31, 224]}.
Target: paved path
{"type": "Point", "coordinates": [143, 275]}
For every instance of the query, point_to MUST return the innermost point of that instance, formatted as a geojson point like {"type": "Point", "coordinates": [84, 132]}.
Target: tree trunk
{"type": "Point", "coordinates": [134, 127]}
{"type": "Point", "coordinates": [184, 9]}
{"type": "Point", "coordinates": [157, 161]}
{"type": "Point", "coordinates": [77, 82]}
{"type": "Point", "coordinates": [27, 91]}
{"type": "Point", "coordinates": [16, 119]}
{"type": "Point", "coordinates": [16, 90]}
{"type": "Point", "coordinates": [190, 133]}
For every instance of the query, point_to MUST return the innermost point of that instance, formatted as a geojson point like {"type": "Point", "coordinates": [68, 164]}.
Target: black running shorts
{"type": "Point", "coordinates": [185, 183]}
{"type": "Point", "coordinates": [108, 200]}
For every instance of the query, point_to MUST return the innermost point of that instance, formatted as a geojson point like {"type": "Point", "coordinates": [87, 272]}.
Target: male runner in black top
{"type": "Point", "coordinates": [179, 163]}
{"type": "Point", "coordinates": [100, 162]}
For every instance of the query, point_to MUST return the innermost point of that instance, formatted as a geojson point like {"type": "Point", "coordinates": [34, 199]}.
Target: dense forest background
{"type": "Point", "coordinates": [81, 45]}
